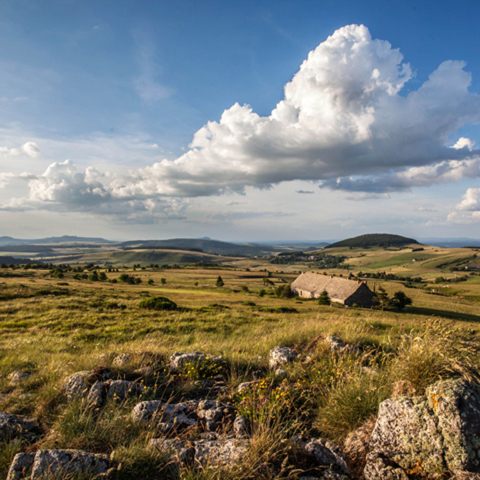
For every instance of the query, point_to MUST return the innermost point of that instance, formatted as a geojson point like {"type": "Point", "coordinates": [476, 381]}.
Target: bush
{"type": "Point", "coordinates": [244, 289]}
{"type": "Point", "coordinates": [158, 303]}
{"type": "Point", "coordinates": [163, 281]}
{"type": "Point", "coordinates": [220, 282]}
{"type": "Point", "coordinates": [324, 299]}
{"type": "Point", "coordinates": [284, 291]}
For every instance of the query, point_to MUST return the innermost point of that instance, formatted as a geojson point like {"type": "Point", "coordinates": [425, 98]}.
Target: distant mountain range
{"type": "Point", "coordinates": [4, 241]}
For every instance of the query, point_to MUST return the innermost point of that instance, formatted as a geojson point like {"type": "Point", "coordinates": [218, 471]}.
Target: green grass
{"type": "Point", "coordinates": [53, 336]}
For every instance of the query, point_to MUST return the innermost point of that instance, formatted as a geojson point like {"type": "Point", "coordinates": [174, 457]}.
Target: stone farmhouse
{"type": "Point", "coordinates": [341, 290]}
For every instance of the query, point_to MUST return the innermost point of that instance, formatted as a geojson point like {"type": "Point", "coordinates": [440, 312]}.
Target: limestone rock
{"type": "Point", "coordinates": [166, 417]}
{"type": "Point", "coordinates": [424, 436]}
{"type": "Point", "coordinates": [179, 450]}
{"type": "Point", "coordinates": [357, 446]}
{"type": "Point", "coordinates": [60, 463]}
{"type": "Point", "coordinates": [178, 360]}
{"type": "Point", "coordinates": [279, 372]}
{"type": "Point", "coordinates": [17, 377]}
{"type": "Point", "coordinates": [281, 355]}
{"type": "Point", "coordinates": [335, 343]}
{"type": "Point", "coordinates": [121, 389]}
{"type": "Point", "coordinates": [97, 394]}
{"type": "Point", "coordinates": [122, 360]}
{"type": "Point", "coordinates": [76, 386]}
{"type": "Point", "coordinates": [145, 412]}
{"type": "Point", "coordinates": [242, 426]}
{"type": "Point", "coordinates": [219, 452]}
{"type": "Point", "coordinates": [215, 414]}
{"type": "Point", "coordinates": [327, 453]}
{"type": "Point", "coordinates": [21, 466]}
{"type": "Point", "coordinates": [12, 426]}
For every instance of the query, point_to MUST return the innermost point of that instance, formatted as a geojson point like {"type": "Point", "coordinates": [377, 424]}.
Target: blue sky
{"type": "Point", "coordinates": [118, 87]}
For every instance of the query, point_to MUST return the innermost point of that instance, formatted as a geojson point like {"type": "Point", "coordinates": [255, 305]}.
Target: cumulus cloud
{"type": "Point", "coordinates": [471, 200]}
{"type": "Point", "coordinates": [344, 121]}
{"type": "Point", "coordinates": [30, 148]}
{"type": "Point", "coordinates": [342, 116]}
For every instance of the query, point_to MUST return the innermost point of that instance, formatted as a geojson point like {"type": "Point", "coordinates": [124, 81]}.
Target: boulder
{"type": "Point", "coordinates": [122, 360]}
{"type": "Point", "coordinates": [164, 416]}
{"type": "Point", "coordinates": [423, 436]}
{"type": "Point", "coordinates": [215, 414]}
{"type": "Point", "coordinates": [12, 426]}
{"type": "Point", "coordinates": [326, 453]}
{"type": "Point", "coordinates": [76, 386]}
{"type": "Point", "coordinates": [281, 355]}
{"type": "Point", "coordinates": [58, 464]}
{"type": "Point", "coordinates": [21, 466]}
{"type": "Point", "coordinates": [121, 389]}
{"type": "Point", "coordinates": [219, 452]}
{"type": "Point", "coordinates": [243, 387]}
{"type": "Point", "coordinates": [357, 446]}
{"type": "Point", "coordinates": [97, 395]}
{"type": "Point", "coordinates": [242, 426]}
{"type": "Point", "coordinates": [178, 360]}
{"type": "Point", "coordinates": [279, 372]}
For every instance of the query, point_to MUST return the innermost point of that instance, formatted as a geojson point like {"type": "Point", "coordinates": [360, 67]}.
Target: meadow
{"type": "Point", "coordinates": [52, 325]}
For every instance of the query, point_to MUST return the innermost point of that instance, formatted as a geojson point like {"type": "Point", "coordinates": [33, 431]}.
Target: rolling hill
{"type": "Point", "coordinates": [205, 245]}
{"type": "Point", "coordinates": [374, 240]}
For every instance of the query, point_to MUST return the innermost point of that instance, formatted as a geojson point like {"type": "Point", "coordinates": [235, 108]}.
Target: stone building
{"type": "Point", "coordinates": [340, 290]}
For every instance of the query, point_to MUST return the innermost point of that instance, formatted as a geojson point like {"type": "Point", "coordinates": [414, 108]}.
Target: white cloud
{"type": "Point", "coordinates": [471, 200]}
{"type": "Point", "coordinates": [29, 148]}
{"type": "Point", "coordinates": [343, 121]}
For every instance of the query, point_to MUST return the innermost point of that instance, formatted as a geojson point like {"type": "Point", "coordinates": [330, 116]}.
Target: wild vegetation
{"type": "Point", "coordinates": [59, 320]}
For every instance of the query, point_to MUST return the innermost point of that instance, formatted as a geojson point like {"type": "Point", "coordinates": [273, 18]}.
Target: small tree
{"type": "Point", "coordinates": [324, 299]}
{"type": "Point", "coordinates": [102, 277]}
{"type": "Point", "coordinates": [400, 300]}
{"type": "Point", "coordinates": [220, 282]}
{"type": "Point", "coordinates": [196, 284]}
{"type": "Point", "coordinates": [244, 289]}
{"type": "Point", "coordinates": [262, 292]}
{"type": "Point", "coordinates": [383, 298]}
{"type": "Point", "coordinates": [93, 276]}
{"type": "Point", "coordinates": [150, 281]}
{"type": "Point", "coordinates": [163, 281]}
{"type": "Point", "coordinates": [284, 291]}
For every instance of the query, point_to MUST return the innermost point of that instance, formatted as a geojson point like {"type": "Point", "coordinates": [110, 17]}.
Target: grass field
{"type": "Point", "coordinates": [52, 327]}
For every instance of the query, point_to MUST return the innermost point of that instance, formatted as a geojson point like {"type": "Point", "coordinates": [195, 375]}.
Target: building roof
{"type": "Point", "coordinates": [336, 287]}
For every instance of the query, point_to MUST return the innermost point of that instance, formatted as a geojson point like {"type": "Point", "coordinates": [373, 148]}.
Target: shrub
{"type": "Point", "coordinates": [284, 291]}
{"type": "Point", "coordinates": [244, 289]}
{"type": "Point", "coordinates": [262, 292]}
{"type": "Point", "coordinates": [150, 281]}
{"type": "Point", "coordinates": [163, 281]}
{"type": "Point", "coordinates": [324, 299]}
{"type": "Point", "coordinates": [158, 303]}
{"type": "Point", "coordinates": [220, 282]}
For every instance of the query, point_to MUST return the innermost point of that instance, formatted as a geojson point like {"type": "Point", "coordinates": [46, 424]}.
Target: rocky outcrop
{"type": "Point", "coordinates": [336, 344]}
{"type": "Point", "coordinates": [57, 464]}
{"type": "Point", "coordinates": [281, 355]}
{"type": "Point", "coordinates": [122, 360]}
{"type": "Point", "coordinates": [97, 389]}
{"type": "Point", "coordinates": [325, 454]}
{"type": "Point", "coordinates": [12, 427]}
{"type": "Point", "coordinates": [166, 417]}
{"type": "Point", "coordinates": [422, 436]}
{"type": "Point", "coordinates": [178, 360]}
{"type": "Point", "coordinates": [215, 415]}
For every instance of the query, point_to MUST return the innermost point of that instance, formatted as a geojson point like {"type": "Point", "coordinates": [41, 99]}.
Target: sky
{"type": "Point", "coordinates": [257, 120]}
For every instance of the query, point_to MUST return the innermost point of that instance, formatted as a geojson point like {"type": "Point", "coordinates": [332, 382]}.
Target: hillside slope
{"type": "Point", "coordinates": [374, 240]}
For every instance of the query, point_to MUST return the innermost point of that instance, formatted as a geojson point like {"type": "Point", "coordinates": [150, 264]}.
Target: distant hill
{"type": "Point", "coordinates": [374, 240]}
{"type": "Point", "coordinates": [15, 261]}
{"type": "Point", "coordinates": [207, 246]}
{"type": "Point", "coordinates": [4, 241]}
